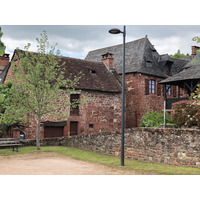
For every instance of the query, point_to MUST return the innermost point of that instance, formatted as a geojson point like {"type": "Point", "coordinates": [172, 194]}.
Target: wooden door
{"type": "Point", "coordinates": [53, 131]}
{"type": "Point", "coordinates": [73, 128]}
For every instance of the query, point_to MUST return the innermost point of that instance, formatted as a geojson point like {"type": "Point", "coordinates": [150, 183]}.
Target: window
{"type": "Point", "coordinates": [74, 104]}
{"type": "Point", "coordinates": [152, 86]}
{"type": "Point", "coordinates": [168, 89]}
{"type": "Point", "coordinates": [149, 63]}
{"type": "Point", "coordinates": [92, 72]}
{"type": "Point", "coordinates": [91, 125]}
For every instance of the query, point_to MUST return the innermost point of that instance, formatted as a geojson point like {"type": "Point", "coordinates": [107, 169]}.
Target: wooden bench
{"type": "Point", "coordinates": [10, 142]}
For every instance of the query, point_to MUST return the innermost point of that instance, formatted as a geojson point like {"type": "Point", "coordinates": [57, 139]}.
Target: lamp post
{"type": "Point", "coordinates": [117, 31]}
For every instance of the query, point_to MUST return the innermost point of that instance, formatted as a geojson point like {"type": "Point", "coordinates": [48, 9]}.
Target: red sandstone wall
{"type": "Point", "coordinates": [4, 61]}
{"type": "Point", "coordinates": [103, 110]}
{"type": "Point", "coordinates": [137, 103]}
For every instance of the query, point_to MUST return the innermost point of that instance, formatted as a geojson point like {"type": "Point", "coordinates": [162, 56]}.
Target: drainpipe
{"type": "Point", "coordinates": [164, 106]}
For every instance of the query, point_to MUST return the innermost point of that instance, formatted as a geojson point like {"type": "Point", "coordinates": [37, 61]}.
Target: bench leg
{"type": "Point", "coordinates": [16, 148]}
{"type": "Point", "coordinates": [13, 148]}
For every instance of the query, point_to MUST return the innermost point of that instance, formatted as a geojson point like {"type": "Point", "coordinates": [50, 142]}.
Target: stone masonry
{"type": "Point", "coordinates": [170, 146]}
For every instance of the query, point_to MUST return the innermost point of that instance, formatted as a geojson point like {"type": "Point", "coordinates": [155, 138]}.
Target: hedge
{"type": "Point", "coordinates": [186, 113]}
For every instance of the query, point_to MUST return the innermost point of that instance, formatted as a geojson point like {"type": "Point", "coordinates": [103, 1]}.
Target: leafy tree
{"type": "Point", "coordinates": [5, 102]}
{"type": "Point", "coordinates": [2, 46]}
{"type": "Point", "coordinates": [179, 55]}
{"type": "Point", "coordinates": [37, 89]}
{"type": "Point", "coordinates": [197, 39]}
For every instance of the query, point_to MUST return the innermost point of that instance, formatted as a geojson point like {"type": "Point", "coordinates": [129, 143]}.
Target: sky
{"type": "Point", "coordinates": [77, 40]}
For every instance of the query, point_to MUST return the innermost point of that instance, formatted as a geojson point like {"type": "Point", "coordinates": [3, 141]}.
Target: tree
{"type": "Point", "coordinates": [197, 39]}
{"type": "Point", "coordinates": [179, 55]}
{"type": "Point", "coordinates": [5, 102]}
{"type": "Point", "coordinates": [2, 46]}
{"type": "Point", "coordinates": [40, 88]}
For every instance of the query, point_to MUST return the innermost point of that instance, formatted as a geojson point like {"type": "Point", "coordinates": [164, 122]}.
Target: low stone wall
{"type": "Point", "coordinates": [169, 146]}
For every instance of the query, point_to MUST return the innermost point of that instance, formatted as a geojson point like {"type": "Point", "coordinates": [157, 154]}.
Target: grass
{"type": "Point", "coordinates": [109, 161]}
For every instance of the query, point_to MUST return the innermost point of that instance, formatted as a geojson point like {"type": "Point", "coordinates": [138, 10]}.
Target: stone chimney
{"type": "Point", "coordinates": [194, 51]}
{"type": "Point", "coordinates": [107, 59]}
{"type": "Point", "coordinates": [4, 60]}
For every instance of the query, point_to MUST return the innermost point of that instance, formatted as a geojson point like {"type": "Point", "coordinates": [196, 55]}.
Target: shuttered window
{"type": "Point", "coordinates": [74, 104]}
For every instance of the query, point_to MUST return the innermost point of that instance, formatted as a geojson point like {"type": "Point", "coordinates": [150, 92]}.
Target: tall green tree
{"type": "Point", "coordinates": [2, 46]}
{"type": "Point", "coordinates": [37, 89]}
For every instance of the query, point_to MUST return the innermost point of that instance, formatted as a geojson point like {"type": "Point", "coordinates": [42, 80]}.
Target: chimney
{"type": "Point", "coordinates": [107, 59]}
{"type": "Point", "coordinates": [194, 51]}
{"type": "Point", "coordinates": [4, 60]}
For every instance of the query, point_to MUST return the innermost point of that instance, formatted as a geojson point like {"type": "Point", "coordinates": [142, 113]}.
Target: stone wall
{"type": "Point", "coordinates": [169, 146]}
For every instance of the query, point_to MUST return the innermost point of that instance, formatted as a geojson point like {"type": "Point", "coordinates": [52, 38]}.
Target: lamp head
{"type": "Point", "coordinates": [114, 31]}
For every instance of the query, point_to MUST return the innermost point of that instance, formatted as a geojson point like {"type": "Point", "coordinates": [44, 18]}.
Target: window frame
{"type": "Point", "coordinates": [74, 110]}
{"type": "Point", "coordinates": [152, 86]}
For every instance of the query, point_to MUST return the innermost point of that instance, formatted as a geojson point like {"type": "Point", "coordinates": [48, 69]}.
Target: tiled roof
{"type": "Point", "coordinates": [96, 76]}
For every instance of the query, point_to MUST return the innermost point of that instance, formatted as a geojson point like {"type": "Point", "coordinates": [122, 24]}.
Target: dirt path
{"type": "Point", "coordinates": [43, 163]}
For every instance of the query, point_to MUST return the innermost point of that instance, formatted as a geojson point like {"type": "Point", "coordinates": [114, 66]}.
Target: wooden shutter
{"type": "Point", "coordinates": [146, 86]}
{"type": "Point", "coordinates": [174, 91]}
{"type": "Point", "coordinates": [158, 88]}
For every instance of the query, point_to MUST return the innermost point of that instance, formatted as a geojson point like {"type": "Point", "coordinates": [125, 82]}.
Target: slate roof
{"type": "Point", "coordinates": [191, 71]}
{"type": "Point", "coordinates": [178, 64]}
{"type": "Point", "coordinates": [96, 76]}
{"type": "Point", "coordinates": [141, 57]}
{"type": "Point", "coordinates": [165, 57]}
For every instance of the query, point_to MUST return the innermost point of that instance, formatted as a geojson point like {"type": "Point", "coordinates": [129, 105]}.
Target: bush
{"type": "Point", "coordinates": [154, 119]}
{"type": "Point", "coordinates": [186, 113]}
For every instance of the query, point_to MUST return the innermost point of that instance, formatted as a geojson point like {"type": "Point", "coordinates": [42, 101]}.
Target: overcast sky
{"type": "Point", "coordinates": [77, 40]}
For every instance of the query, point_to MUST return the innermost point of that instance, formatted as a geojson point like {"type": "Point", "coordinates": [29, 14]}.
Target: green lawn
{"type": "Point", "coordinates": [107, 160]}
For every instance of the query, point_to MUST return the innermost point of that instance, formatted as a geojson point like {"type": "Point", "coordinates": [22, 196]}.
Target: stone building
{"type": "Point", "coordinates": [100, 114]}
{"type": "Point", "coordinates": [145, 68]}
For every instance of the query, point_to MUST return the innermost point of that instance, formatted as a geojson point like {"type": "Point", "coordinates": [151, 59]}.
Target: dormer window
{"type": "Point", "coordinates": [149, 63]}
{"type": "Point", "coordinates": [92, 72]}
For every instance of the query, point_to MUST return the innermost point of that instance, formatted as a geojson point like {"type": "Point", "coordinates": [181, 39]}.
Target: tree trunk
{"type": "Point", "coordinates": [38, 134]}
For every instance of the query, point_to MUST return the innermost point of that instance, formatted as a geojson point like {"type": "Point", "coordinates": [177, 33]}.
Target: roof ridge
{"type": "Point", "coordinates": [115, 45]}
{"type": "Point", "coordinates": [64, 57]}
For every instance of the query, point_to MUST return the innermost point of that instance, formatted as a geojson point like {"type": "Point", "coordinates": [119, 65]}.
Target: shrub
{"type": "Point", "coordinates": [186, 113]}
{"type": "Point", "coordinates": [154, 119]}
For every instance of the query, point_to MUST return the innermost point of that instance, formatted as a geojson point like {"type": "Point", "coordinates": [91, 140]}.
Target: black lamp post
{"type": "Point", "coordinates": [117, 31]}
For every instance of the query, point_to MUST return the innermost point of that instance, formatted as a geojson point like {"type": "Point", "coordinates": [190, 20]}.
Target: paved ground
{"type": "Point", "coordinates": [43, 163]}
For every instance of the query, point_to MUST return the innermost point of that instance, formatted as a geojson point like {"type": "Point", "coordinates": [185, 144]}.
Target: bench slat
{"type": "Point", "coordinates": [9, 142]}
{"type": "Point", "coordinates": [10, 145]}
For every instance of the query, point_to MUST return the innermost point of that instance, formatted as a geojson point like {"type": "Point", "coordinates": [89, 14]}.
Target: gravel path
{"type": "Point", "coordinates": [43, 163]}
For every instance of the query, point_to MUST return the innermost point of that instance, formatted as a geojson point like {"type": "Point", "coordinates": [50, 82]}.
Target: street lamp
{"type": "Point", "coordinates": [117, 31]}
